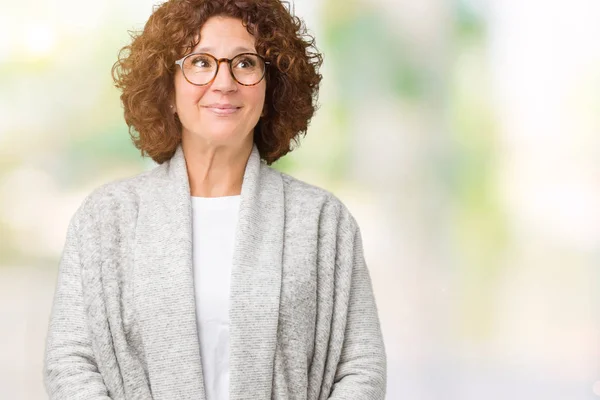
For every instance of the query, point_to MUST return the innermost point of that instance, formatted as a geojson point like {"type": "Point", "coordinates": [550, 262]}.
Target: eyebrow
{"type": "Point", "coordinates": [237, 50]}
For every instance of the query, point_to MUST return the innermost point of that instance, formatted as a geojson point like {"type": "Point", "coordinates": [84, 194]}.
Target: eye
{"type": "Point", "coordinates": [202, 62]}
{"type": "Point", "coordinates": [245, 62]}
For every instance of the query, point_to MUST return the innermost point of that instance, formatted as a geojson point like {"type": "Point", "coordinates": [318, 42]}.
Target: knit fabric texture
{"type": "Point", "coordinates": [303, 318]}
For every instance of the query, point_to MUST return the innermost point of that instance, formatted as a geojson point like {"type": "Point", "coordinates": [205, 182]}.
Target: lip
{"type": "Point", "coordinates": [222, 109]}
{"type": "Point", "coordinates": [221, 105]}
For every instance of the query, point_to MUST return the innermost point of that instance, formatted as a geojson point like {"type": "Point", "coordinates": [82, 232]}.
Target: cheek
{"type": "Point", "coordinates": [193, 95]}
{"type": "Point", "coordinates": [257, 99]}
{"type": "Point", "coordinates": [187, 94]}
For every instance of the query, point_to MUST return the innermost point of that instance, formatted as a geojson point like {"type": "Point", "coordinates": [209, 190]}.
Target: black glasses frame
{"type": "Point", "coordinates": [218, 61]}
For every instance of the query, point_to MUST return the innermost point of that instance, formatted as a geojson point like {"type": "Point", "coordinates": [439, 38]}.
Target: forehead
{"type": "Point", "coordinates": [224, 35]}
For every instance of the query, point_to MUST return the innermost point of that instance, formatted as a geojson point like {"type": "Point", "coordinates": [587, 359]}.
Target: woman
{"type": "Point", "coordinates": [214, 276]}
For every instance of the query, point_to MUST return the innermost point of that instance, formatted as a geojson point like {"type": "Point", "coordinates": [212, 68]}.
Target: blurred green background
{"type": "Point", "coordinates": [463, 135]}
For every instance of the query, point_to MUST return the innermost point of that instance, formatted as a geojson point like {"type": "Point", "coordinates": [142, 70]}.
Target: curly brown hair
{"type": "Point", "coordinates": [145, 72]}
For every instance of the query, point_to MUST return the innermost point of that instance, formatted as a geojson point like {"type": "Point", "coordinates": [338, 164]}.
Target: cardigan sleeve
{"type": "Point", "coordinates": [362, 368]}
{"type": "Point", "coordinates": [70, 370]}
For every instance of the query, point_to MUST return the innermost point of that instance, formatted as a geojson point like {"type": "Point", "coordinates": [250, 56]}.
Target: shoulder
{"type": "Point", "coordinates": [116, 197]}
{"type": "Point", "coordinates": [303, 199]}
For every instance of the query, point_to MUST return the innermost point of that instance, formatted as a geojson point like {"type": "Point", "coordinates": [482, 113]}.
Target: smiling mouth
{"type": "Point", "coordinates": [223, 110]}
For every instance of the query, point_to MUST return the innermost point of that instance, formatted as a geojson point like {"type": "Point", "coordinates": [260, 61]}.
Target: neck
{"type": "Point", "coordinates": [216, 170]}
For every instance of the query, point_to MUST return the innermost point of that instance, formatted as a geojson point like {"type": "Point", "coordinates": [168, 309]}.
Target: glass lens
{"type": "Point", "coordinates": [248, 69]}
{"type": "Point", "coordinates": [200, 68]}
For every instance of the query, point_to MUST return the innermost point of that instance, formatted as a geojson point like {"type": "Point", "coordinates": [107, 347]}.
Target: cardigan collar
{"type": "Point", "coordinates": [164, 287]}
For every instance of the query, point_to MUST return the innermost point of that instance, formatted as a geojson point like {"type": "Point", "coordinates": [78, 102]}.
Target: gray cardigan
{"type": "Point", "coordinates": [303, 318]}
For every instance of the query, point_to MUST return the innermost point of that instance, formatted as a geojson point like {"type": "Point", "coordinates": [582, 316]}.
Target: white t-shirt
{"type": "Point", "coordinates": [213, 233]}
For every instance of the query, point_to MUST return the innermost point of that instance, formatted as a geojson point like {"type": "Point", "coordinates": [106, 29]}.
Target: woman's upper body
{"type": "Point", "coordinates": [215, 107]}
{"type": "Point", "coordinates": [303, 318]}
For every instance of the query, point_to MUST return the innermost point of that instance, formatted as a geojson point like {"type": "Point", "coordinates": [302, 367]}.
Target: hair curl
{"type": "Point", "coordinates": [145, 72]}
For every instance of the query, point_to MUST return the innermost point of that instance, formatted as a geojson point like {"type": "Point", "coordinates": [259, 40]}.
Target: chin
{"type": "Point", "coordinates": [214, 135]}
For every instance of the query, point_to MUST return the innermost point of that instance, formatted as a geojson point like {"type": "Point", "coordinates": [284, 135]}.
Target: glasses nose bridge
{"type": "Point", "coordinates": [228, 62]}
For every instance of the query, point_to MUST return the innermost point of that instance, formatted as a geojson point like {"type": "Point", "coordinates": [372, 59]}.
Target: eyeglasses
{"type": "Point", "coordinates": [200, 69]}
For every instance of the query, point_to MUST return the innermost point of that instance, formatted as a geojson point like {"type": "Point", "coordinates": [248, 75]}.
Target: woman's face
{"type": "Point", "coordinates": [222, 37]}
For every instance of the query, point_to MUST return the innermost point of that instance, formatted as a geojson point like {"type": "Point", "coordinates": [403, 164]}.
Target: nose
{"type": "Point", "coordinates": [224, 81]}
